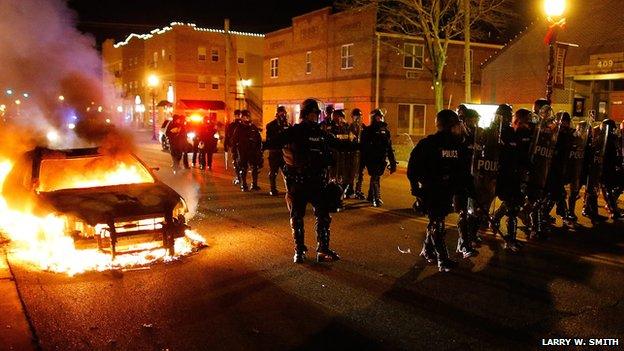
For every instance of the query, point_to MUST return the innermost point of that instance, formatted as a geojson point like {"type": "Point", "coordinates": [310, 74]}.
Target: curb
{"type": "Point", "coordinates": [15, 329]}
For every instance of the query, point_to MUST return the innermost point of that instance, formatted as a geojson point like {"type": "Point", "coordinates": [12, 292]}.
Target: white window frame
{"type": "Point", "coordinates": [411, 118]}
{"type": "Point", "coordinates": [201, 54]}
{"type": "Point", "coordinates": [409, 50]}
{"type": "Point", "coordinates": [346, 57]}
{"type": "Point", "coordinates": [201, 82]}
{"type": "Point", "coordinates": [308, 61]}
{"type": "Point", "coordinates": [274, 67]}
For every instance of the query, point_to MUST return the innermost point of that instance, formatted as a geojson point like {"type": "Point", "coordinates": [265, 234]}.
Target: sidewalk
{"type": "Point", "coordinates": [15, 332]}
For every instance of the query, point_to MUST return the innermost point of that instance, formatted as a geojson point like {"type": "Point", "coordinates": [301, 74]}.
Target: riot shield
{"type": "Point", "coordinates": [543, 148]}
{"type": "Point", "coordinates": [598, 148]}
{"type": "Point", "coordinates": [576, 158]}
{"type": "Point", "coordinates": [487, 148]}
{"type": "Point", "coordinates": [344, 158]}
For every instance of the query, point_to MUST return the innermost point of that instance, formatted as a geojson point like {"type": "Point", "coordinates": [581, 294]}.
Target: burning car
{"type": "Point", "coordinates": [105, 200]}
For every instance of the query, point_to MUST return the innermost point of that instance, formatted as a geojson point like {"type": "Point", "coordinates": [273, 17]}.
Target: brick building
{"type": "Point", "coordinates": [333, 57]}
{"type": "Point", "coordinates": [594, 72]}
{"type": "Point", "coordinates": [190, 63]}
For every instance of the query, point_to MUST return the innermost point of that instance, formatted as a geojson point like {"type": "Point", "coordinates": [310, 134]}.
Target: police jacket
{"type": "Point", "coordinates": [247, 141]}
{"type": "Point", "coordinates": [206, 134]}
{"type": "Point", "coordinates": [274, 130]}
{"type": "Point", "coordinates": [306, 150]}
{"type": "Point", "coordinates": [176, 133]}
{"type": "Point", "coordinates": [376, 145]}
{"type": "Point", "coordinates": [229, 132]}
{"type": "Point", "coordinates": [611, 166]}
{"type": "Point", "coordinates": [355, 131]}
{"type": "Point", "coordinates": [514, 161]}
{"type": "Point", "coordinates": [438, 165]}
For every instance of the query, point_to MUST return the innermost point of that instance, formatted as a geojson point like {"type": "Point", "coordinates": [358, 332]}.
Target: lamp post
{"type": "Point", "coordinates": [152, 82]}
{"type": "Point", "coordinates": [554, 10]}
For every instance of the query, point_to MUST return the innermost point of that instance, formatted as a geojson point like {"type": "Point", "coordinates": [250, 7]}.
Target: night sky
{"type": "Point", "coordinates": [118, 18]}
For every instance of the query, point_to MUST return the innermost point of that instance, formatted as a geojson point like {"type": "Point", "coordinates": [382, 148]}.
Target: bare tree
{"type": "Point", "coordinates": [436, 22]}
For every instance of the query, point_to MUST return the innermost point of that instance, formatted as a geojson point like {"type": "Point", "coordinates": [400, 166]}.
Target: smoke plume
{"type": "Point", "coordinates": [51, 77]}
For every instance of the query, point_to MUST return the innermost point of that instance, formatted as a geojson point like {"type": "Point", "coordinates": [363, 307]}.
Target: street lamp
{"type": "Point", "coordinates": [554, 10]}
{"type": "Point", "coordinates": [152, 82]}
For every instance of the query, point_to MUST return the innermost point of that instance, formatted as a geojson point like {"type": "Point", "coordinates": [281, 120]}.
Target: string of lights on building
{"type": "Point", "coordinates": [163, 30]}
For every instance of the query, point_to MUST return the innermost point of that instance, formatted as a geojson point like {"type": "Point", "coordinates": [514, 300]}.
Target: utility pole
{"type": "Point", "coordinates": [227, 69]}
{"type": "Point", "coordinates": [467, 56]}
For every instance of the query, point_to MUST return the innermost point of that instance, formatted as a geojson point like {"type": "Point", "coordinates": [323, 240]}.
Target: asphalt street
{"type": "Point", "coordinates": [243, 292]}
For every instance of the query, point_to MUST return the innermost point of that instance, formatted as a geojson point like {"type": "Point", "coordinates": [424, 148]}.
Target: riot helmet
{"type": "Point", "coordinates": [521, 119]}
{"type": "Point", "coordinates": [311, 110]}
{"type": "Point", "coordinates": [564, 119]}
{"type": "Point", "coordinates": [505, 111]}
{"type": "Point", "coordinates": [471, 118]}
{"type": "Point", "coordinates": [281, 113]}
{"type": "Point", "coordinates": [356, 114]}
{"type": "Point", "coordinates": [237, 114]}
{"type": "Point", "coordinates": [246, 116]}
{"type": "Point", "coordinates": [539, 103]}
{"type": "Point", "coordinates": [377, 115]}
{"type": "Point", "coordinates": [461, 111]}
{"type": "Point", "coordinates": [446, 120]}
{"type": "Point", "coordinates": [607, 122]}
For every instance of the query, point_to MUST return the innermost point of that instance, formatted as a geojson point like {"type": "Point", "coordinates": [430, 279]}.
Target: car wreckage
{"type": "Point", "coordinates": [103, 198]}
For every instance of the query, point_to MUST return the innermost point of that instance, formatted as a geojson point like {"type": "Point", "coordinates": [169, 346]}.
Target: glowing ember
{"type": "Point", "coordinates": [41, 241]}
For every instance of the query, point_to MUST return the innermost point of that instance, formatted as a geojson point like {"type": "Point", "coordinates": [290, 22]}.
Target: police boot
{"type": "Point", "coordinates": [428, 250]}
{"type": "Point", "coordinates": [254, 179]}
{"type": "Point", "coordinates": [242, 176]}
{"type": "Point", "coordinates": [570, 215]}
{"type": "Point", "coordinates": [464, 241]}
{"type": "Point", "coordinates": [494, 221]}
{"type": "Point", "coordinates": [298, 236]}
{"type": "Point", "coordinates": [358, 189]}
{"type": "Point", "coordinates": [273, 185]}
{"type": "Point", "coordinates": [511, 243]}
{"type": "Point", "coordinates": [323, 252]}
{"type": "Point", "coordinates": [445, 264]}
{"type": "Point", "coordinates": [376, 194]}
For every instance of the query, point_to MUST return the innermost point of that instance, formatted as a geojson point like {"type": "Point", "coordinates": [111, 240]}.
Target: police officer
{"type": "Point", "coordinates": [555, 184]}
{"type": "Point", "coordinates": [514, 165]}
{"type": "Point", "coordinates": [376, 153]}
{"type": "Point", "coordinates": [247, 145]}
{"type": "Point", "coordinates": [437, 170]}
{"type": "Point", "coordinates": [227, 143]}
{"type": "Point", "coordinates": [341, 156]}
{"type": "Point", "coordinates": [611, 170]}
{"type": "Point", "coordinates": [274, 130]}
{"type": "Point", "coordinates": [178, 144]}
{"type": "Point", "coordinates": [307, 157]}
{"type": "Point", "coordinates": [356, 128]}
{"type": "Point", "coordinates": [327, 118]}
{"type": "Point", "coordinates": [207, 146]}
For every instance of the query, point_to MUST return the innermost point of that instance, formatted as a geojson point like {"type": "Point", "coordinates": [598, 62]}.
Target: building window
{"type": "Point", "coordinates": [214, 54]}
{"type": "Point", "coordinates": [201, 82]}
{"type": "Point", "coordinates": [162, 52]}
{"type": "Point", "coordinates": [274, 67]}
{"type": "Point", "coordinates": [214, 84]}
{"type": "Point", "coordinates": [346, 56]}
{"type": "Point", "coordinates": [308, 62]}
{"type": "Point", "coordinates": [414, 56]}
{"type": "Point", "coordinates": [155, 56]}
{"type": "Point", "coordinates": [241, 60]}
{"type": "Point", "coordinates": [201, 53]}
{"type": "Point", "coordinates": [411, 119]}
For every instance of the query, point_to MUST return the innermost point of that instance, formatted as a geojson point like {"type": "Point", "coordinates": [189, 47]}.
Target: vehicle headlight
{"type": "Point", "coordinates": [180, 209]}
{"type": "Point", "coordinates": [190, 135]}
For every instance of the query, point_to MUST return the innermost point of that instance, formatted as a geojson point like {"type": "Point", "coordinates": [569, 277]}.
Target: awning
{"type": "Point", "coordinates": [164, 103]}
{"type": "Point", "coordinates": [201, 105]}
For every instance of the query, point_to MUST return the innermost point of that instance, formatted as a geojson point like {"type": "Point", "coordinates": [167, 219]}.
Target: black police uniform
{"type": "Point", "coordinates": [611, 172]}
{"type": "Point", "coordinates": [356, 130]}
{"type": "Point", "coordinates": [307, 156]}
{"type": "Point", "coordinates": [437, 170]}
{"type": "Point", "coordinates": [376, 153]}
{"type": "Point", "coordinates": [514, 165]}
{"type": "Point", "coordinates": [274, 131]}
{"type": "Point", "coordinates": [555, 184]}
{"type": "Point", "coordinates": [228, 145]}
{"type": "Point", "coordinates": [178, 144]}
{"type": "Point", "coordinates": [247, 145]}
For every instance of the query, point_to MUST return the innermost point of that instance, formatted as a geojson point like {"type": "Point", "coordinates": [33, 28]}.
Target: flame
{"type": "Point", "coordinates": [41, 241]}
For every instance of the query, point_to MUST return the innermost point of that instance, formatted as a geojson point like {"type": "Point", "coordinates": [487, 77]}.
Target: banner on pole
{"type": "Point", "coordinates": [561, 51]}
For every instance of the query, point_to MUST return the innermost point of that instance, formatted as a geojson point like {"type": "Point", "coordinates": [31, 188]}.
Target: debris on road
{"type": "Point", "coordinates": [407, 251]}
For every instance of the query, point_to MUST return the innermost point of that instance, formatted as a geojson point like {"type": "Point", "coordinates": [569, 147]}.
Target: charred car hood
{"type": "Point", "coordinates": [103, 204]}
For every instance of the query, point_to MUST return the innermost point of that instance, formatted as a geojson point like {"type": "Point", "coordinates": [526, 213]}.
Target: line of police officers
{"type": "Point", "coordinates": [322, 162]}
{"type": "Point", "coordinates": [525, 158]}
